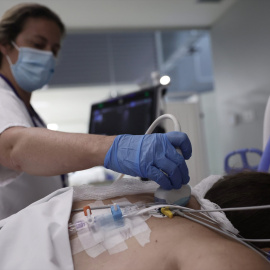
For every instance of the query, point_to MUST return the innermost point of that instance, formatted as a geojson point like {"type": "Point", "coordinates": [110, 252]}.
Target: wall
{"type": "Point", "coordinates": [234, 112]}
{"type": "Point", "coordinates": [188, 113]}
{"type": "Point", "coordinates": [69, 107]}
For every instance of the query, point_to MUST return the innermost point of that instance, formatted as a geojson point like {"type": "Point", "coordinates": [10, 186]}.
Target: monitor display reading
{"type": "Point", "coordinates": [128, 114]}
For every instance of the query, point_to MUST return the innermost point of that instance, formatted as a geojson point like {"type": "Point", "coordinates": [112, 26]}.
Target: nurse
{"type": "Point", "coordinates": [34, 160]}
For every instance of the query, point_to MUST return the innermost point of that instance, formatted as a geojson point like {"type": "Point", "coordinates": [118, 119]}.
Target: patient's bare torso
{"type": "Point", "coordinates": [175, 243]}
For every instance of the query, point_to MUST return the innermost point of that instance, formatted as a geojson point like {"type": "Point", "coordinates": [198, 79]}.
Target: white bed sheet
{"type": "Point", "coordinates": [37, 236]}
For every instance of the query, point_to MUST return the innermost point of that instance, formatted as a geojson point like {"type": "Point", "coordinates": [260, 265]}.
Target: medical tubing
{"type": "Point", "coordinates": [176, 124]}
{"type": "Point", "coordinates": [109, 206]}
{"type": "Point", "coordinates": [191, 211]}
{"type": "Point", "coordinates": [182, 208]}
{"type": "Point", "coordinates": [256, 240]}
{"type": "Point", "coordinates": [207, 216]}
{"type": "Point", "coordinates": [185, 209]}
{"type": "Point", "coordinates": [149, 209]}
{"type": "Point", "coordinates": [208, 219]}
{"type": "Point", "coordinates": [259, 207]}
{"type": "Point", "coordinates": [188, 210]}
{"type": "Point", "coordinates": [232, 236]}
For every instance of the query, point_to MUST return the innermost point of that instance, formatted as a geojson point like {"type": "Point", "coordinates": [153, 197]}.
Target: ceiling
{"type": "Point", "coordinates": [133, 14]}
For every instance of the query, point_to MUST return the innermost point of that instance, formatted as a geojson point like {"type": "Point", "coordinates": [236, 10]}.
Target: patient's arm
{"type": "Point", "coordinates": [174, 244]}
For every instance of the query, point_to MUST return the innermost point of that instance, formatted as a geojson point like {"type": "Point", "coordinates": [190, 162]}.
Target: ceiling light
{"type": "Point", "coordinates": [165, 80]}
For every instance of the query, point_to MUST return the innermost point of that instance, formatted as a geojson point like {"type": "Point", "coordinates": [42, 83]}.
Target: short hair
{"type": "Point", "coordinates": [13, 20]}
{"type": "Point", "coordinates": [245, 189]}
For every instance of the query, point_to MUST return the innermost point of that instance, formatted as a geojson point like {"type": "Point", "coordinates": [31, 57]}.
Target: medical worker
{"type": "Point", "coordinates": [34, 160]}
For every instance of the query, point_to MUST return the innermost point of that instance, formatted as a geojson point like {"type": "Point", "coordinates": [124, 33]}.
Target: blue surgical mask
{"type": "Point", "coordinates": [33, 69]}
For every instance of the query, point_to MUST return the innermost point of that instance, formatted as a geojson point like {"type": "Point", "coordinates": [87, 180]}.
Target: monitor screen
{"type": "Point", "coordinates": [127, 114]}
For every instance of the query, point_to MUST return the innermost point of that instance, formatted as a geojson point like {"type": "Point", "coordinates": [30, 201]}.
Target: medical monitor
{"type": "Point", "coordinates": [132, 113]}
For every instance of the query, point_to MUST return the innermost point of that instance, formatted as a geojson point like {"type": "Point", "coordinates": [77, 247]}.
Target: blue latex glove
{"type": "Point", "coordinates": [152, 156]}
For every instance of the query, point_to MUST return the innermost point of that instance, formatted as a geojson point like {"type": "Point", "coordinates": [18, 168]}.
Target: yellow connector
{"type": "Point", "coordinates": [166, 212]}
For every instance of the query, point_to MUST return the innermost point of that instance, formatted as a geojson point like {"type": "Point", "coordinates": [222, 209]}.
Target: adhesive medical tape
{"type": "Point", "coordinates": [118, 248]}
{"type": "Point", "coordinates": [76, 246]}
{"type": "Point", "coordinates": [143, 238]}
{"type": "Point", "coordinates": [95, 251]}
{"type": "Point", "coordinates": [96, 242]}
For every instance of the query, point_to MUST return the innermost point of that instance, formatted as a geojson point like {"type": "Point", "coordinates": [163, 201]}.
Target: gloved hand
{"type": "Point", "coordinates": [152, 156]}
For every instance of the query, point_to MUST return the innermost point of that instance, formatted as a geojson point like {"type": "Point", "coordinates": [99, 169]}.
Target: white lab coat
{"type": "Point", "coordinates": [18, 190]}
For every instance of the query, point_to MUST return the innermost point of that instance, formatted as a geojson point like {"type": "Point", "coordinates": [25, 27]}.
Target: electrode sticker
{"type": "Point", "coordinates": [103, 232]}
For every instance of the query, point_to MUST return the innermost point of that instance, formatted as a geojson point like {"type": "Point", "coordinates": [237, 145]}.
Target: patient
{"type": "Point", "coordinates": [179, 243]}
{"type": "Point", "coordinates": [245, 189]}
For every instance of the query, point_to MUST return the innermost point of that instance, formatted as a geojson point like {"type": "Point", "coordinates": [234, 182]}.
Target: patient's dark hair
{"type": "Point", "coordinates": [245, 189]}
